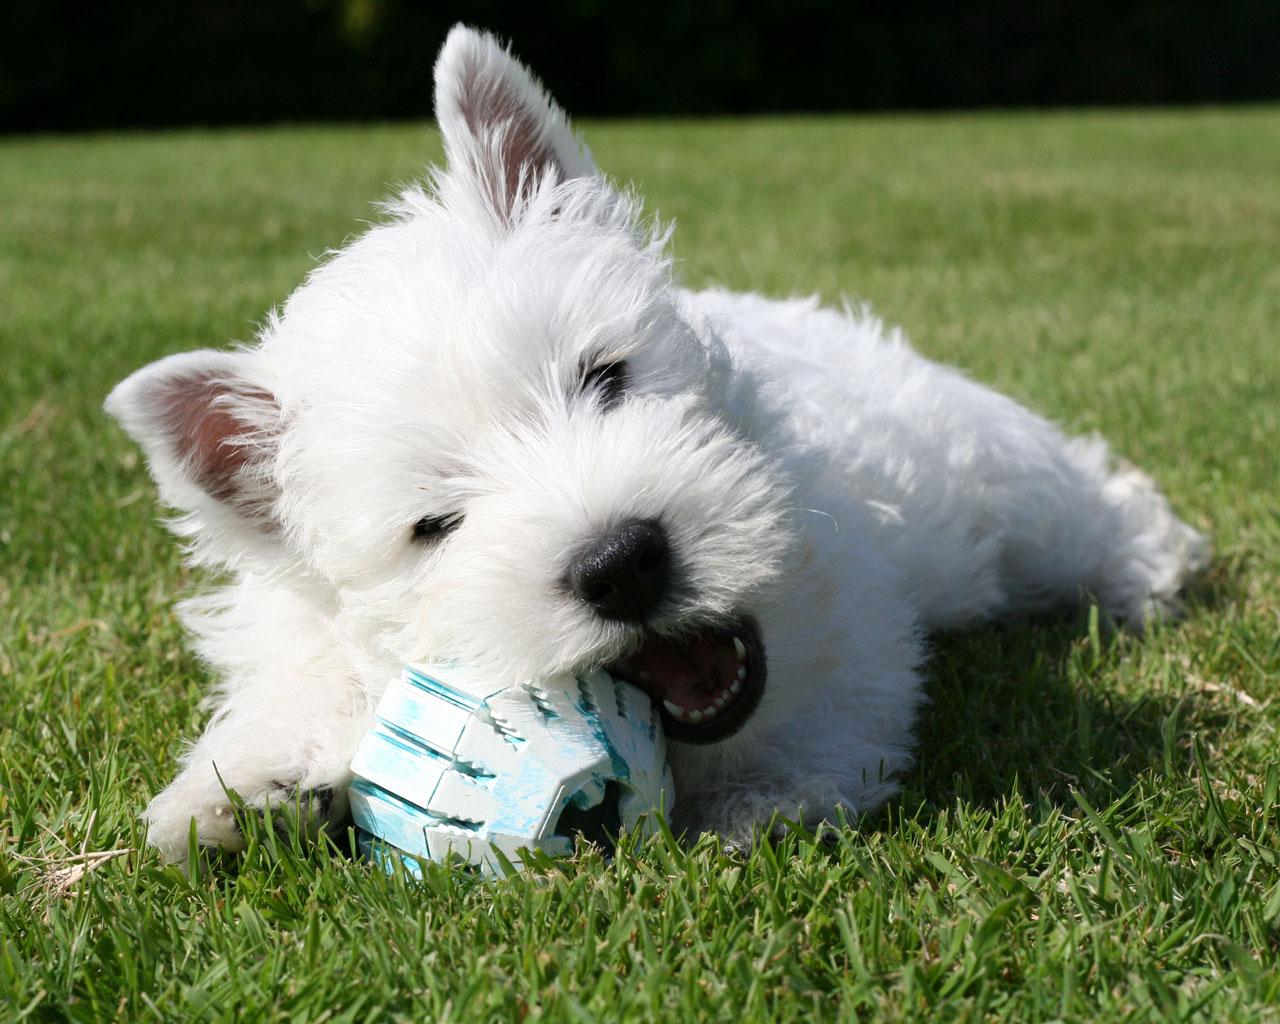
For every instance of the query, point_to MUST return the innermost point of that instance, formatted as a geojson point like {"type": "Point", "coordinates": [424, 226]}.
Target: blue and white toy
{"type": "Point", "coordinates": [454, 766]}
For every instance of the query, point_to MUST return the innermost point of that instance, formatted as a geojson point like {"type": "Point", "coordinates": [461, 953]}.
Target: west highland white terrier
{"type": "Point", "coordinates": [494, 429]}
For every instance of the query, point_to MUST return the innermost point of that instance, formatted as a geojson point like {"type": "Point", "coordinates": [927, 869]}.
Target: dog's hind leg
{"type": "Point", "coordinates": [1080, 524]}
{"type": "Point", "coordinates": [997, 511]}
{"type": "Point", "coordinates": [1005, 502]}
{"type": "Point", "coordinates": [1048, 518]}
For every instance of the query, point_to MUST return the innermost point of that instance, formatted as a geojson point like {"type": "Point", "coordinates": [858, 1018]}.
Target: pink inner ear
{"type": "Point", "coordinates": [491, 107]}
{"type": "Point", "coordinates": [211, 439]}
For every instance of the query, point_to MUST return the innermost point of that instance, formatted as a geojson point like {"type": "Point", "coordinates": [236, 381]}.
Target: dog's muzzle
{"type": "Point", "coordinates": [706, 680]}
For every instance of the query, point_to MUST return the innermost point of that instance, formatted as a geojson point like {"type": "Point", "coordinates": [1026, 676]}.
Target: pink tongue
{"type": "Point", "coordinates": [683, 672]}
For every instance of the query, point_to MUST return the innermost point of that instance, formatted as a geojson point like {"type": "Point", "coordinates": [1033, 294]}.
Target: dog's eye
{"type": "Point", "coordinates": [431, 527]}
{"type": "Point", "coordinates": [609, 381]}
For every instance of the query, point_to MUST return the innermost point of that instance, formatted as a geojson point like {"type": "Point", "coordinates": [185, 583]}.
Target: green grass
{"type": "Point", "coordinates": [1094, 827]}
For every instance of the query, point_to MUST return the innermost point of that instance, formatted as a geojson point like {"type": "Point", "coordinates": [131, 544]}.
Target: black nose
{"type": "Point", "coordinates": [626, 574]}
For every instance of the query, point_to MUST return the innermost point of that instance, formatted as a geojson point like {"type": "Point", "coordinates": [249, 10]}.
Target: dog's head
{"type": "Point", "coordinates": [488, 430]}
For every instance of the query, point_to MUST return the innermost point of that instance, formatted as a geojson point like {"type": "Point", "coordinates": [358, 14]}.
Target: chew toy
{"type": "Point", "coordinates": [455, 766]}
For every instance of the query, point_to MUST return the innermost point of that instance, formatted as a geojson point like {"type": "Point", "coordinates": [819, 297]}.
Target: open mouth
{"type": "Point", "coordinates": [706, 684]}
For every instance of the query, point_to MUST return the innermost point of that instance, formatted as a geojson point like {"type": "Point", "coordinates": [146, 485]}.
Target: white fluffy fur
{"type": "Point", "coordinates": [813, 470]}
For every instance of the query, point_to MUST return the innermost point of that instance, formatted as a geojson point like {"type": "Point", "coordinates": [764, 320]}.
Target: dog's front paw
{"type": "Point", "coordinates": [185, 801]}
{"type": "Point", "coordinates": [210, 800]}
{"type": "Point", "coordinates": [255, 749]}
{"type": "Point", "coordinates": [311, 784]}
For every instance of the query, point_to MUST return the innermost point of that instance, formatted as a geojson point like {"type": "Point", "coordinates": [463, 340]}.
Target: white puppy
{"type": "Point", "coordinates": [494, 429]}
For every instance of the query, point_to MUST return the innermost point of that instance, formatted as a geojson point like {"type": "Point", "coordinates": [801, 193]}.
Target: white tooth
{"type": "Point", "coordinates": [735, 686]}
{"type": "Point", "coordinates": [721, 700]}
{"type": "Point", "coordinates": [675, 709]}
{"type": "Point", "coordinates": [740, 647]}
{"type": "Point", "coordinates": [695, 716]}
{"type": "Point", "coordinates": [710, 711]}
{"type": "Point", "coordinates": [742, 672]}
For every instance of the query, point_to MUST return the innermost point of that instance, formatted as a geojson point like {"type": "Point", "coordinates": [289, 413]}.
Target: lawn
{"type": "Point", "coordinates": [1093, 830]}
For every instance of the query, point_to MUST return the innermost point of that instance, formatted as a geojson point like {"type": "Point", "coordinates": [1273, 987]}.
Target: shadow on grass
{"type": "Point", "coordinates": [1045, 707]}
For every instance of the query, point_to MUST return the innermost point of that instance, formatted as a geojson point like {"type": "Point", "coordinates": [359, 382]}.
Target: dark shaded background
{"type": "Point", "coordinates": [134, 63]}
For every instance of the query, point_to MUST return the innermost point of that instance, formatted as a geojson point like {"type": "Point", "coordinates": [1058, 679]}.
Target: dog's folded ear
{"type": "Point", "coordinates": [210, 432]}
{"type": "Point", "coordinates": [499, 124]}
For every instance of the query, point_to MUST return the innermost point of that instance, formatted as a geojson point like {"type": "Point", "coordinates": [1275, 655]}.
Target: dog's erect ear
{"type": "Point", "coordinates": [210, 433]}
{"type": "Point", "coordinates": [498, 122]}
